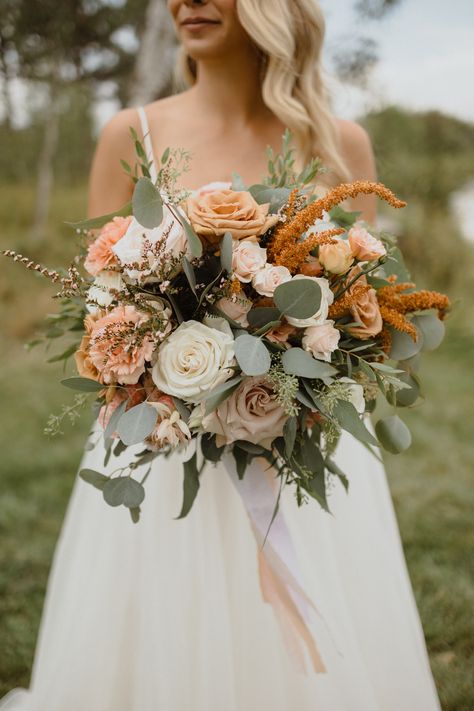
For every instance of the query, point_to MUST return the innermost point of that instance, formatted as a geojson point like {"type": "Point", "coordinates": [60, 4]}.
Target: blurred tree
{"type": "Point", "coordinates": [58, 45]}
{"type": "Point", "coordinates": [156, 56]}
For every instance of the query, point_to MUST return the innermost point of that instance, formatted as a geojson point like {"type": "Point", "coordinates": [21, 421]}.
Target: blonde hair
{"type": "Point", "coordinates": [289, 35]}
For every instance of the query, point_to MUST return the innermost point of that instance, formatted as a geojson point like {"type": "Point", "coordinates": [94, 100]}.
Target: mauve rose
{"type": "Point", "coordinates": [235, 307]}
{"type": "Point", "coordinates": [213, 213]}
{"type": "Point", "coordinates": [336, 258]}
{"type": "Point", "coordinates": [364, 246]}
{"type": "Point", "coordinates": [247, 258]}
{"type": "Point", "coordinates": [321, 340]}
{"type": "Point", "coordinates": [251, 413]}
{"type": "Point", "coordinates": [365, 310]}
{"type": "Point", "coordinates": [281, 333]}
{"type": "Point", "coordinates": [267, 279]}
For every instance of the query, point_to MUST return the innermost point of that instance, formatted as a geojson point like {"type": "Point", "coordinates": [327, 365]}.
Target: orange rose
{"type": "Point", "coordinates": [218, 211]}
{"type": "Point", "coordinates": [84, 365]}
{"type": "Point", "coordinates": [366, 311]}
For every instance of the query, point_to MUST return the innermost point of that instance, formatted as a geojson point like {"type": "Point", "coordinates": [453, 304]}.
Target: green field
{"type": "Point", "coordinates": [432, 484]}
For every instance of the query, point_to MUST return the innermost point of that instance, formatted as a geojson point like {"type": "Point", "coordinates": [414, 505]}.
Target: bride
{"type": "Point", "coordinates": [168, 615]}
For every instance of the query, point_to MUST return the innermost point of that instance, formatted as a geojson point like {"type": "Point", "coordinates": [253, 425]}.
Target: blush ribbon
{"type": "Point", "coordinates": [279, 573]}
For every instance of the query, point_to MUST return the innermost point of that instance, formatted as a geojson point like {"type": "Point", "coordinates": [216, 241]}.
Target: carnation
{"type": "Point", "coordinates": [100, 254]}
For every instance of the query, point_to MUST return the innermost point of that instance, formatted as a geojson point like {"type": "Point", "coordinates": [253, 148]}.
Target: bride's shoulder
{"type": "Point", "coordinates": [356, 148]}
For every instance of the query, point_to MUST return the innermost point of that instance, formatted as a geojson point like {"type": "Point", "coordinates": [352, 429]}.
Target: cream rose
{"type": "Point", "coordinates": [336, 258]}
{"type": "Point", "coordinates": [194, 359]}
{"type": "Point", "coordinates": [218, 211]}
{"type": "Point", "coordinates": [251, 413]}
{"type": "Point", "coordinates": [247, 258]}
{"type": "Point", "coordinates": [363, 245]}
{"type": "Point", "coordinates": [235, 307]}
{"type": "Point", "coordinates": [327, 297]}
{"type": "Point", "coordinates": [321, 340]}
{"type": "Point", "coordinates": [267, 279]}
{"type": "Point", "coordinates": [101, 291]}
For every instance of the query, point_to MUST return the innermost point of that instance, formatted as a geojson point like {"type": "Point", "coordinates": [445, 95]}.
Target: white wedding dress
{"type": "Point", "coordinates": [168, 615]}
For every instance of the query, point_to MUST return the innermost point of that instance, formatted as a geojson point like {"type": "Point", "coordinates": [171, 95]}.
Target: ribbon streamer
{"type": "Point", "coordinates": [280, 577]}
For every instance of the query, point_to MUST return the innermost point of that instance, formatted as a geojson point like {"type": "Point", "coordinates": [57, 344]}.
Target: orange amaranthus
{"type": "Point", "coordinates": [284, 247]}
{"type": "Point", "coordinates": [394, 303]}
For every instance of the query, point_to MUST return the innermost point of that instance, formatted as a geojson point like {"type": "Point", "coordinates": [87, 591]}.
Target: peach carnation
{"type": "Point", "coordinates": [100, 255]}
{"type": "Point", "coordinates": [116, 349]}
{"type": "Point", "coordinates": [218, 211]}
{"type": "Point", "coordinates": [84, 364]}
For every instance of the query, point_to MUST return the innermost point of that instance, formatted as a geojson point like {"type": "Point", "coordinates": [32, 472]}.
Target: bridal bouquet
{"type": "Point", "coordinates": [260, 320]}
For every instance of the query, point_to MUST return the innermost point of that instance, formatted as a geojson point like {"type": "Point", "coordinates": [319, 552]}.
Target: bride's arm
{"type": "Point", "coordinates": [357, 149]}
{"type": "Point", "coordinates": [109, 185]}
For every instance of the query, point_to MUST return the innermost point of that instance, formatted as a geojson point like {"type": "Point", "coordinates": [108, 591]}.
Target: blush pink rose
{"type": "Point", "coordinates": [248, 258]}
{"type": "Point", "coordinates": [321, 340]}
{"type": "Point", "coordinates": [266, 280]}
{"type": "Point", "coordinates": [115, 348]}
{"type": "Point", "coordinates": [281, 333]}
{"type": "Point", "coordinates": [251, 413]}
{"type": "Point", "coordinates": [363, 245]}
{"type": "Point", "coordinates": [100, 255]}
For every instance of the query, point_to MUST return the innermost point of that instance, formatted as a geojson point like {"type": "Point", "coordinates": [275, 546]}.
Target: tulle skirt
{"type": "Point", "coordinates": [168, 615]}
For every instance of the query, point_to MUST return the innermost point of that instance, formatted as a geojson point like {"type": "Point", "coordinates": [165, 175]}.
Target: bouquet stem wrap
{"type": "Point", "coordinates": [280, 577]}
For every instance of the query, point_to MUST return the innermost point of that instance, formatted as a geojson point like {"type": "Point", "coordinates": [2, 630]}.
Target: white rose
{"type": "Point", "coordinates": [321, 340]}
{"type": "Point", "coordinates": [327, 297]}
{"type": "Point", "coordinates": [194, 359]}
{"type": "Point", "coordinates": [100, 291]}
{"type": "Point", "coordinates": [247, 258]}
{"type": "Point", "coordinates": [267, 279]}
{"type": "Point", "coordinates": [131, 248]}
{"type": "Point", "coordinates": [356, 394]}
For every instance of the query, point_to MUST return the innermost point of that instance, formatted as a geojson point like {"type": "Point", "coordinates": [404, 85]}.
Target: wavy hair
{"type": "Point", "coordinates": [289, 35]}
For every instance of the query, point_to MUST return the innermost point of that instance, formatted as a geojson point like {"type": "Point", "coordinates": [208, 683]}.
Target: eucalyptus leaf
{"type": "Point", "coordinates": [296, 361]}
{"type": "Point", "coordinates": [298, 298]}
{"type": "Point", "coordinates": [393, 434]}
{"type": "Point", "coordinates": [190, 485]}
{"type": "Point", "coordinates": [95, 222]}
{"type": "Point", "coordinates": [147, 204]}
{"type": "Point", "coordinates": [276, 197]}
{"type": "Point", "coordinates": [221, 393]}
{"type": "Point", "coordinates": [334, 469]}
{"type": "Point", "coordinates": [289, 433]}
{"type": "Point", "coordinates": [403, 346]}
{"type": "Point", "coordinates": [237, 182]}
{"type": "Point", "coordinates": [64, 355]}
{"type": "Point", "coordinates": [114, 418]}
{"type": "Point", "coordinates": [209, 448]}
{"type": "Point", "coordinates": [226, 252]}
{"type": "Point", "coordinates": [182, 409]}
{"type": "Point", "coordinates": [195, 244]}
{"type": "Point", "coordinates": [262, 315]}
{"type": "Point", "coordinates": [137, 423]}
{"type": "Point", "coordinates": [95, 478]}
{"type": "Point", "coordinates": [85, 385]}
{"type": "Point", "coordinates": [241, 460]}
{"type": "Point", "coordinates": [123, 491]}
{"type": "Point", "coordinates": [350, 420]}
{"type": "Point", "coordinates": [432, 329]}
{"type": "Point", "coordinates": [135, 513]}
{"type": "Point", "coordinates": [252, 355]}
{"type": "Point", "coordinates": [407, 397]}
{"type": "Point", "coordinates": [189, 273]}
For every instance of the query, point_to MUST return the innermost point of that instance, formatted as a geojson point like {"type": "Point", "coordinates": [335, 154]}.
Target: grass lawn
{"type": "Point", "coordinates": [431, 483]}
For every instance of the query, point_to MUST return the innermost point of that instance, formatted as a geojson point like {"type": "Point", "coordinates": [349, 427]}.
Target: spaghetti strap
{"type": "Point", "coordinates": [147, 141]}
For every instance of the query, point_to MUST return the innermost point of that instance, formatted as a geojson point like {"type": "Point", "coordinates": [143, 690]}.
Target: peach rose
{"type": "Point", "coordinates": [363, 245]}
{"type": "Point", "coordinates": [114, 348]}
{"type": "Point", "coordinates": [366, 311]}
{"type": "Point", "coordinates": [247, 258]}
{"type": "Point", "coordinates": [336, 258]}
{"type": "Point", "coordinates": [100, 255]}
{"type": "Point", "coordinates": [251, 413]}
{"type": "Point", "coordinates": [235, 307]}
{"type": "Point", "coordinates": [266, 280]}
{"type": "Point", "coordinates": [281, 333]}
{"type": "Point", "coordinates": [321, 340]}
{"type": "Point", "coordinates": [311, 267]}
{"type": "Point", "coordinates": [218, 211]}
